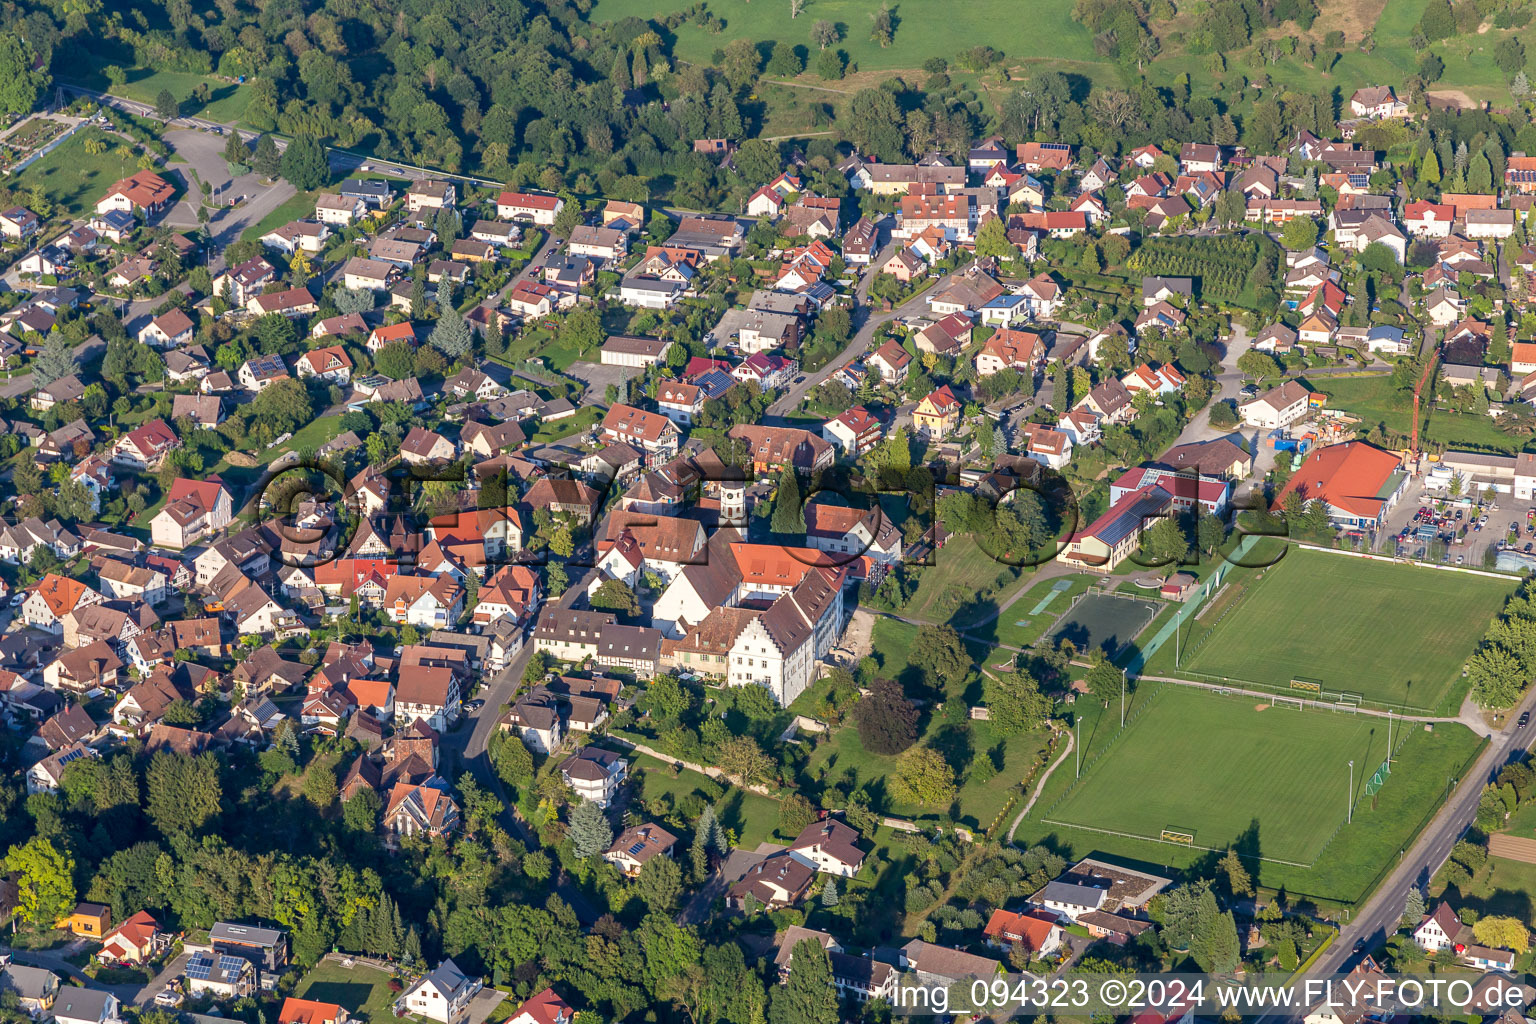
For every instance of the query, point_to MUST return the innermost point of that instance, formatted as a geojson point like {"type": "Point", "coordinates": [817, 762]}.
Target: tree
{"type": "Point", "coordinates": [1165, 543]}
{"type": "Point", "coordinates": [941, 654]}
{"type": "Point", "coordinates": [451, 335]}
{"type": "Point", "coordinates": [742, 62]}
{"type": "Point", "coordinates": [882, 26]}
{"type": "Point", "coordinates": [808, 996]}
{"type": "Point", "coordinates": [660, 883]}
{"type": "Point", "coordinates": [1104, 682]}
{"type": "Point", "coordinates": [614, 595]}
{"type": "Point", "coordinates": [886, 720]}
{"type": "Point", "coordinates": [355, 300]}
{"type": "Point", "coordinates": [360, 814]}
{"type": "Point", "coordinates": [830, 65]}
{"type": "Point", "coordinates": [784, 62]}
{"type": "Point", "coordinates": [1509, 56]}
{"type": "Point", "coordinates": [1239, 883]}
{"type": "Point", "coordinates": [788, 506]}
{"type": "Point", "coordinates": [20, 82]}
{"type": "Point", "coordinates": [55, 360]}
{"type": "Point", "coordinates": [1429, 170]}
{"type": "Point", "coordinates": [741, 758]}
{"type": "Point", "coordinates": [183, 793]}
{"type": "Point", "coordinates": [829, 893]}
{"type": "Point", "coordinates": [236, 152]}
{"type": "Point", "coordinates": [876, 124]}
{"type": "Point", "coordinates": [707, 836]}
{"type": "Point", "coordinates": [1479, 176]}
{"type": "Point", "coordinates": [304, 163]}
{"type": "Point", "coordinates": [795, 813]}
{"type": "Point", "coordinates": [1413, 907]}
{"type": "Point", "coordinates": [924, 777]}
{"type": "Point", "coordinates": [1502, 933]}
{"type": "Point", "coordinates": [1224, 949]}
{"type": "Point", "coordinates": [320, 784]}
{"type": "Point", "coordinates": [992, 240]}
{"type": "Point", "coordinates": [1015, 703]}
{"type": "Point", "coordinates": [590, 833]}
{"type": "Point", "coordinates": [45, 882]}
{"type": "Point", "coordinates": [1210, 531]}
{"type": "Point", "coordinates": [1299, 233]}
{"type": "Point", "coordinates": [512, 759]}
{"type": "Point", "coordinates": [166, 106]}
{"type": "Point", "coordinates": [824, 34]}
{"type": "Point", "coordinates": [1259, 364]}
{"type": "Point", "coordinates": [265, 159]}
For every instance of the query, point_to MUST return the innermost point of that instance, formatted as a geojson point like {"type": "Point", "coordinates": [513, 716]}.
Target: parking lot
{"type": "Point", "coordinates": [1428, 526]}
{"type": "Point", "coordinates": [597, 377]}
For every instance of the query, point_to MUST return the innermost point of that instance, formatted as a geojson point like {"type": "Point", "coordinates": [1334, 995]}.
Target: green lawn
{"type": "Point", "coordinates": [981, 795]}
{"type": "Point", "coordinates": [1505, 887]}
{"type": "Point", "coordinates": [586, 417]}
{"type": "Point", "coordinates": [1018, 627]}
{"type": "Point", "coordinates": [1393, 633]}
{"type": "Point", "coordinates": [751, 816]}
{"type": "Point", "coordinates": [963, 742]}
{"type": "Point", "coordinates": [227, 101]}
{"type": "Point", "coordinates": [296, 207]}
{"type": "Point", "coordinates": [363, 991]}
{"type": "Point", "coordinates": [924, 28]}
{"type": "Point", "coordinates": [74, 179]}
{"type": "Point", "coordinates": [1199, 762]}
{"type": "Point", "coordinates": [963, 584]}
{"type": "Point", "coordinates": [1377, 402]}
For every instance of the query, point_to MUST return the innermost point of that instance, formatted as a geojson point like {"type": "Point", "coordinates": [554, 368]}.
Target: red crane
{"type": "Point", "coordinates": [1418, 392]}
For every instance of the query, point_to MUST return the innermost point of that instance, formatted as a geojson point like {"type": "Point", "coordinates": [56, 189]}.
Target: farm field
{"type": "Point", "coordinates": [1158, 770]}
{"type": "Point", "coordinates": [1288, 784]}
{"type": "Point", "coordinates": [1328, 617]}
{"type": "Point", "coordinates": [73, 178]}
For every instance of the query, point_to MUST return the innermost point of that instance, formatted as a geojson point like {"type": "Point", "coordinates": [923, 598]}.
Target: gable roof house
{"type": "Point", "coordinates": [144, 193]}
{"type": "Point", "coordinates": [444, 994]}
{"type": "Point", "coordinates": [145, 447]}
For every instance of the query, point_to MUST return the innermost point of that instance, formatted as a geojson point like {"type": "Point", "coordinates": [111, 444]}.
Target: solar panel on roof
{"type": "Point", "coordinates": [637, 848]}
{"type": "Point", "coordinates": [198, 967]}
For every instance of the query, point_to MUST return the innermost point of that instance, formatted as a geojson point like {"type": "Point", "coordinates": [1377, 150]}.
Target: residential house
{"type": "Point", "coordinates": [594, 774]}
{"type": "Point", "coordinates": [938, 414]}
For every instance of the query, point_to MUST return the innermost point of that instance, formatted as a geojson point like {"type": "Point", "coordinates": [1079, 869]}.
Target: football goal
{"type": "Point", "coordinates": [1173, 835]}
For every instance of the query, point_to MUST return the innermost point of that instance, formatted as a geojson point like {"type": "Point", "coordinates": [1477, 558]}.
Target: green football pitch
{"type": "Point", "coordinates": [1389, 632]}
{"type": "Point", "coordinates": [1215, 767]}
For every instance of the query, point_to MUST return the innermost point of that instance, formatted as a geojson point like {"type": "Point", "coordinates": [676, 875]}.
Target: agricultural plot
{"type": "Point", "coordinates": [1391, 633]}
{"type": "Point", "coordinates": [1220, 266]}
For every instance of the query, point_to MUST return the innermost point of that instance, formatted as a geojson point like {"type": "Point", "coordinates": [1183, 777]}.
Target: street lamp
{"type": "Point", "coordinates": [1349, 801]}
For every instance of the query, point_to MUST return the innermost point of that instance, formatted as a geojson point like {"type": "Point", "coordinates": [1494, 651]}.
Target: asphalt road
{"type": "Point", "coordinates": [865, 323]}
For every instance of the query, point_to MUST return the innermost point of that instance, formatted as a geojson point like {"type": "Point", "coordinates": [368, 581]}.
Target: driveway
{"type": "Point", "coordinates": [597, 377]}
{"type": "Point", "coordinates": [53, 960]}
{"type": "Point", "coordinates": [168, 973]}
